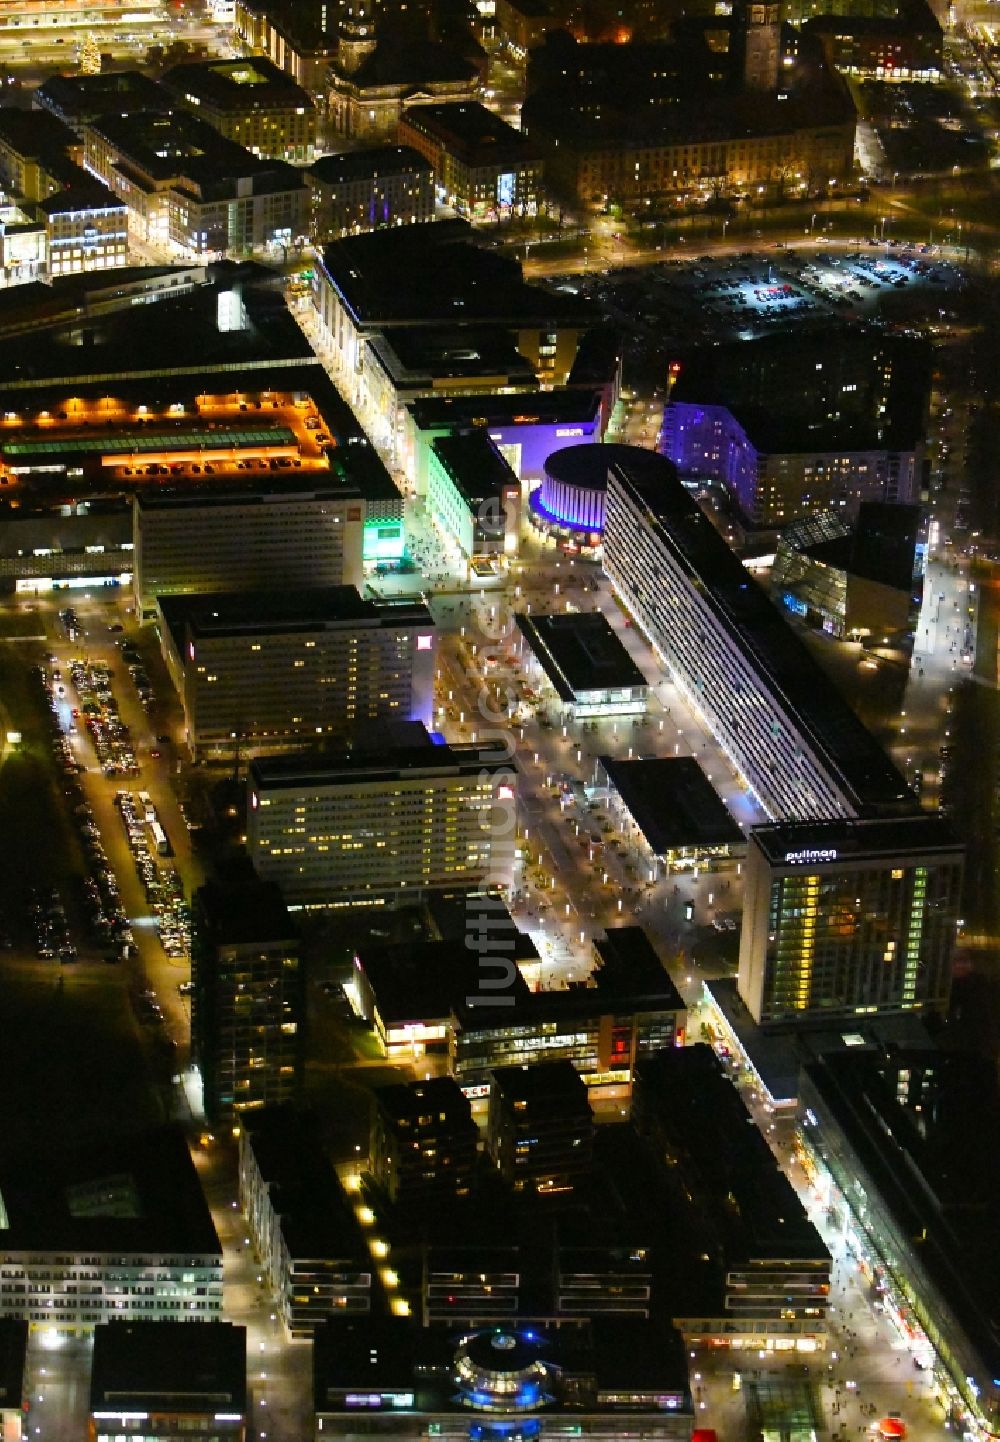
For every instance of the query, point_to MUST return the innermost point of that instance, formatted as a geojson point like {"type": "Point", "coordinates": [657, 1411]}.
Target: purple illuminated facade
{"type": "Point", "coordinates": [572, 494]}
{"type": "Point", "coordinates": [707, 440]}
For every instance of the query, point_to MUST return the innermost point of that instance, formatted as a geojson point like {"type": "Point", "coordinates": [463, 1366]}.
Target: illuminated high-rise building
{"type": "Point", "coordinates": [849, 918]}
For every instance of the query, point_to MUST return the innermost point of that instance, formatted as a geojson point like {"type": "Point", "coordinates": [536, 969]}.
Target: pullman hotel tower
{"type": "Point", "coordinates": [852, 897]}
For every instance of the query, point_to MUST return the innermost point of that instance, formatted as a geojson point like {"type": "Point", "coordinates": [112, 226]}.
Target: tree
{"type": "Point", "coordinates": [90, 56]}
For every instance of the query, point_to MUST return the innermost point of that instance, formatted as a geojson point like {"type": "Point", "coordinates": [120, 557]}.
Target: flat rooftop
{"type": "Point", "coordinates": [415, 357]}
{"type": "Point", "coordinates": [423, 981]}
{"type": "Point", "coordinates": [377, 162]}
{"type": "Point", "coordinates": [475, 466]}
{"type": "Point", "coordinates": [140, 1194]}
{"type": "Point", "coordinates": [395, 755]}
{"type": "Point", "coordinates": [172, 145]}
{"type": "Point", "coordinates": [782, 661]}
{"type": "Point", "coordinates": [280, 613]}
{"type": "Point", "coordinates": [546, 1083]}
{"type": "Point", "coordinates": [564, 406]}
{"type": "Point", "coordinates": [431, 274]}
{"type": "Point", "coordinates": [579, 653]}
{"type": "Point", "coordinates": [407, 1102]}
{"type": "Point", "coordinates": [870, 839]}
{"type": "Point", "coordinates": [254, 83]}
{"type": "Point", "coordinates": [628, 965]}
{"type": "Point", "coordinates": [180, 1367]}
{"type": "Point", "coordinates": [244, 913]}
{"type": "Point", "coordinates": [672, 802]}
{"type": "Point", "coordinates": [83, 97]}
{"type": "Point", "coordinates": [470, 131]}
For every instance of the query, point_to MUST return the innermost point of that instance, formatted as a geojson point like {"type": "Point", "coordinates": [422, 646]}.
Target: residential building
{"type": "Point", "coordinates": [14, 1380]}
{"type": "Point", "coordinates": [418, 1382]}
{"type": "Point", "coordinates": [424, 1143]}
{"type": "Point", "coordinates": [170, 1378]}
{"type": "Point", "coordinates": [77, 100]}
{"type": "Point", "coordinates": [784, 725]}
{"type": "Point", "coordinates": [361, 190]}
{"type": "Point", "coordinates": [121, 1232]}
{"type": "Point", "coordinates": [901, 1148]}
{"type": "Point", "coordinates": [474, 499]}
{"type": "Point", "coordinates": [850, 427]}
{"type": "Point", "coordinates": [186, 185]}
{"type": "Point", "coordinates": [847, 918]}
{"type": "Point", "coordinates": [252, 102]}
{"type": "Point", "coordinates": [246, 539]}
{"type": "Point", "coordinates": [301, 1224]}
{"type": "Point", "coordinates": [860, 583]}
{"type": "Point", "coordinates": [394, 817]}
{"type": "Point", "coordinates": [763, 1281]}
{"type": "Point", "coordinates": [668, 813]}
{"type": "Point", "coordinates": [540, 1129]}
{"type": "Point", "coordinates": [526, 429]}
{"type": "Point", "coordinates": [483, 167]}
{"type": "Point", "coordinates": [262, 671]}
{"type": "Point", "coordinates": [907, 45]}
{"type": "Point", "coordinates": [580, 664]}
{"type": "Point", "coordinates": [248, 1003]}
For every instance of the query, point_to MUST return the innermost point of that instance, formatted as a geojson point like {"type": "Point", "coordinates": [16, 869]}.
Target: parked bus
{"type": "Point", "coordinates": [159, 838]}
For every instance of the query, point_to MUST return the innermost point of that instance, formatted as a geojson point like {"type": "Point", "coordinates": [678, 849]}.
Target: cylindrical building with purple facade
{"type": "Point", "coordinates": [570, 501]}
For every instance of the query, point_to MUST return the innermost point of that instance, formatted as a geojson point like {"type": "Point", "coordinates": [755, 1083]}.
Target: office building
{"type": "Point", "coordinates": [270, 536]}
{"type": "Point", "coordinates": [907, 45]}
{"type": "Point", "coordinates": [483, 167]}
{"type": "Point", "coordinates": [540, 1130]}
{"type": "Point", "coordinates": [302, 1226]}
{"type": "Point", "coordinates": [366, 189]}
{"type": "Point", "coordinates": [248, 1004]}
{"type": "Point", "coordinates": [850, 426]}
{"type": "Point", "coordinates": [416, 1382]}
{"type": "Point", "coordinates": [793, 738]}
{"type": "Point", "coordinates": [266, 671]}
{"type": "Point", "coordinates": [300, 38]}
{"type": "Point", "coordinates": [14, 1382]}
{"type": "Point", "coordinates": [901, 1148]}
{"type": "Point", "coordinates": [170, 1379]}
{"type": "Point", "coordinates": [668, 813]}
{"type": "Point", "coordinates": [762, 1278]}
{"type": "Point", "coordinates": [847, 918]}
{"type": "Point", "coordinates": [474, 499]}
{"type": "Point", "coordinates": [526, 429]}
{"type": "Point", "coordinates": [251, 102]}
{"type": "Point", "coordinates": [186, 186]}
{"type": "Point", "coordinates": [424, 1143]}
{"type": "Point", "coordinates": [580, 665]}
{"type": "Point", "coordinates": [859, 583]}
{"type": "Point", "coordinates": [392, 821]}
{"type": "Point", "coordinates": [77, 100]}
{"type": "Point", "coordinates": [121, 1232]}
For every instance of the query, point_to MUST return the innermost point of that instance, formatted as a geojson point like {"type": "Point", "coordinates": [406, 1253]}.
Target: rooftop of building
{"type": "Point", "coordinates": [243, 913]}
{"type": "Point", "coordinates": [628, 964]}
{"type": "Point", "coordinates": [421, 980]}
{"type": "Point", "coordinates": [672, 802]}
{"type": "Point", "coordinates": [382, 754]}
{"type": "Point", "coordinates": [440, 1097]}
{"type": "Point", "coordinates": [471, 132]}
{"type": "Point", "coordinates": [138, 1194]}
{"type": "Point", "coordinates": [431, 274]}
{"type": "Point", "coordinates": [549, 1085]}
{"type": "Point", "coordinates": [278, 613]}
{"type": "Point", "coordinates": [723, 1161]}
{"type": "Point", "coordinates": [177, 1367]}
{"type": "Point", "coordinates": [417, 358]}
{"type": "Point", "coordinates": [936, 1173]}
{"type": "Point", "coordinates": [914, 17]}
{"type": "Point", "coordinates": [409, 62]}
{"type": "Point", "coordinates": [579, 652]}
{"type": "Point", "coordinates": [450, 915]}
{"type": "Point", "coordinates": [560, 407]}
{"type": "Point", "coordinates": [251, 83]}
{"type": "Point", "coordinates": [35, 134]}
{"type": "Point", "coordinates": [13, 1357]}
{"type": "Point", "coordinates": [81, 191]}
{"type": "Point", "coordinates": [879, 546]}
{"type": "Point", "coordinates": [316, 1217]}
{"type": "Point", "coordinates": [377, 162]}
{"type": "Point", "coordinates": [782, 660]}
{"type": "Point", "coordinates": [170, 145]}
{"type": "Point", "coordinates": [476, 468]}
{"type": "Point", "coordinates": [819, 843]}
{"type": "Point", "coordinates": [79, 98]}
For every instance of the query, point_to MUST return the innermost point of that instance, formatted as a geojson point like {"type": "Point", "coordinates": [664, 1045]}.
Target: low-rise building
{"type": "Point", "coordinates": [186, 185]}
{"type": "Point", "coordinates": [302, 1226]}
{"type": "Point", "coordinates": [474, 499]}
{"type": "Point", "coordinates": [367, 189]}
{"type": "Point", "coordinates": [483, 167]}
{"type": "Point", "coordinates": [391, 818]}
{"type": "Point", "coordinates": [668, 812]}
{"type": "Point", "coordinates": [248, 1003]}
{"type": "Point", "coordinates": [122, 1232]}
{"type": "Point", "coordinates": [170, 1379]}
{"type": "Point", "coordinates": [262, 671]}
{"type": "Point", "coordinates": [226, 540]}
{"type": "Point", "coordinates": [580, 664]}
{"type": "Point", "coordinates": [252, 102]}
